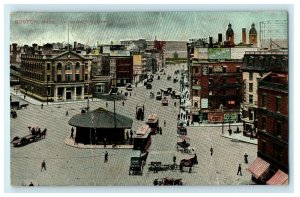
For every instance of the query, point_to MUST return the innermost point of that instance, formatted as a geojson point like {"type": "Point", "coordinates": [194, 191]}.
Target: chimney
{"type": "Point", "coordinates": [210, 44]}
{"type": "Point", "coordinates": [244, 38]}
{"type": "Point", "coordinates": [219, 38]}
{"type": "Point", "coordinates": [34, 46]}
{"type": "Point", "coordinates": [14, 46]}
{"type": "Point", "coordinates": [75, 46]}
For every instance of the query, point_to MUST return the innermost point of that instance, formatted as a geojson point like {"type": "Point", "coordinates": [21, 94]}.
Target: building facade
{"type": "Point", "coordinates": [273, 129]}
{"type": "Point", "coordinates": [56, 77]}
{"type": "Point", "coordinates": [256, 65]}
{"type": "Point", "coordinates": [216, 91]}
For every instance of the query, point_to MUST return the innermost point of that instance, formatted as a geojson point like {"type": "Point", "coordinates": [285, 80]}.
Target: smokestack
{"type": "Point", "coordinates": [244, 38]}
{"type": "Point", "coordinates": [219, 38]}
{"type": "Point", "coordinates": [210, 44]}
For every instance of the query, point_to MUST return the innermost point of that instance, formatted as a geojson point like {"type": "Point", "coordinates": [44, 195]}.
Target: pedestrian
{"type": "Point", "coordinates": [178, 116]}
{"type": "Point", "coordinates": [24, 96]}
{"type": "Point", "coordinates": [184, 116]}
{"type": "Point", "coordinates": [43, 165]}
{"type": "Point", "coordinates": [237, 130]}
{"type": "Point", "coordinates": [160, 130]}
{"type": "Point", "coordinates": [181, 115]}
{"type": "Point", "coordinates": [229, 131]}
{"type": "Point", "coordinates": [123, 103]}
{"type": "Point", "coordinates": [174, 159]}
{"type": "Point", "coordinates": [246, 157]}
{"type": "Point", "coordinates": [188, 123]}
{"type": "Point", "coordinates": [106, 104]}
{"type": "Point", "coordinates": [67, 113]}
{"type": "Point", "coordinates": [165, 123]}
{"type": "Point", "coordinates": [72, 133]}
{"type": "Point", "coordinates": [42, 106]}
{"type": "Point", "coordinates": [175, 104]}
{"type": "Point", "coordinates": [106, 156]}
{"type": "Point", "coordinates": [129, 93]}
{"type": "Point", "coordinates": [211, 151]}
{"type": "Point", "coordinates": [239, 170]}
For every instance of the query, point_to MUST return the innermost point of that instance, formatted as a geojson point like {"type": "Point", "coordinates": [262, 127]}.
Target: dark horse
{"type": "Point", "coordinates": [188, 163]}
{"type": "Point", "coordinates": [43, 134]}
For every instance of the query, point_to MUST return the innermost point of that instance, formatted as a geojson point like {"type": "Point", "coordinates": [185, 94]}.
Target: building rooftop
{"type": "Point", "coordinates": [100, 118]}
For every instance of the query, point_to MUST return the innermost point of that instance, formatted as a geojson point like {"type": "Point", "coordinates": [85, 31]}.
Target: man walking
{"type": "Point", "coordinates": [43, 165]}
{"type": "Point", "coordinates": [211, 151]}
{"type": "Point", "coordinates": [239, 170]}
{"type": "Point", "coordinates": [106, 156]}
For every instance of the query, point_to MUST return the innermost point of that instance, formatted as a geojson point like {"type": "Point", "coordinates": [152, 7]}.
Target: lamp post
{"type": "Point", "coordinates": [47, 89]}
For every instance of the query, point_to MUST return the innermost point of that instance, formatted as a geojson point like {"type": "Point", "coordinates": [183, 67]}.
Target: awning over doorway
{"type": "Point", "coordinates": [258, 168]}
{"type": "Point", "coordinates": [279, 178]}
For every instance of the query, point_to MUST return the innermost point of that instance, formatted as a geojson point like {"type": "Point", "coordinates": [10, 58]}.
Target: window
{"type": "Point", "coordinates": [196, 104]}
{"type": "Point", "coordinates": [58, 78]}
{"type": "Point", "coordinates": [250, 98]}
{"type": "Point", "coordinates": [250, 114]}
{"type": "Point", "coordinates": [250, 87]}
{"type": "Point", "coordinates": [59, 66]}
{"type": "Point", "coordinates": [278, 129]}
{"type": "Point", "coordinates": [77, 77]}
{"type": "Point", "coordinates": [264, 100]}
{"type": "Point", "coordinates": [210, 93]}
{"type": "Point", "coordinates": [68, 66]}
{"type": "Point", "coordinates": [77, 67]}
{"type": "Point", "coordinates": [48, 77]}
{"type": "Point", "coordinates": [196, 92]}
{"type": "Point", "coordinates": [278, 104]}
{"type": "Point", "coordinates": [68, 77]}
{"type": "Point", "coordinates": [48, 91]}
{"type": "Point", "coordinates": [224, 69]}
{"type": "Point", "coordinates": [86, 77]}
{"type": "Point", "coordinates": [85, 89]}
{"type": "Point", "coordinates": [210, 69]}
{"type": "Point", "coordinates": [210, 81]}
{"type": "Point", "coordinates": [48, 66]}
{"type": "Point", "coordinates": [238, 69]}
{"type": "Point", "coordinates": [264, 123]}
{"type": "Point", "coordinates": [250, 76]}
{"type": "Point", "coordinates": [196, 70]}
{"type": "Point", "coordinates": [278, 152]}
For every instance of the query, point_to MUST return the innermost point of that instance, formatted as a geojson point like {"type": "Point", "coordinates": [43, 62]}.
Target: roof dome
{"type": "Point", "coordinates": [229, 31]}
{"type": "Point", "coordinates": [253, 30]}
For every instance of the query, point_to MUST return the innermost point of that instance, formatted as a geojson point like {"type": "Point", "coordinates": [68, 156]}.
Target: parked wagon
{"type": "Point", "coordinates": [158, 166]}
{"type": "Point", "coordinates": [26, 139]}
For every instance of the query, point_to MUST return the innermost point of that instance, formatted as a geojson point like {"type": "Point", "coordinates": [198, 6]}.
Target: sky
{"type": "Point", "coordinates": [87, 28]}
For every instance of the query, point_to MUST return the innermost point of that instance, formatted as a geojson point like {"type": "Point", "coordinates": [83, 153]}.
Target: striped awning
{"type": "Point", "coordinates": [279, 178]}
{"type": "Point", "coordinates": [258, 168]}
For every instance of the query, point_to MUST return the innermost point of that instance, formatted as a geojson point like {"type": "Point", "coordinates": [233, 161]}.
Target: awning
{"type": "Point", "coordinates": [279, 178]}
{"type": "Point", "coordinates": [259, 167]}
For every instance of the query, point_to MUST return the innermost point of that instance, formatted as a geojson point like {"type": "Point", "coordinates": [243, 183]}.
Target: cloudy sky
{"type": "Point", "coordinates": [87, 28]}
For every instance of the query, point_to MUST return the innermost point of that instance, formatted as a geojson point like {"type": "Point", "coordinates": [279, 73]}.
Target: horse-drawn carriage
{"type": "Point", "coordinates": [158, 166]}
{"type": "Point", "coordinates": [33, 137]}
{"type": "Point", "coordinates": [137, 162]}
{"type": "Point", "coordinates": [167, 181]}
{"type": "Point", "coordinates": [183, 145]}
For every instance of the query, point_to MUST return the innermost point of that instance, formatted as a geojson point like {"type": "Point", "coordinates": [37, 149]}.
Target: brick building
{"type": "Point", "coordinates": [273, 132]}
{"type": "Point", "coordinates": [216, 91]}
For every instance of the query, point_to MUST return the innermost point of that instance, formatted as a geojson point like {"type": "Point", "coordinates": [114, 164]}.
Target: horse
{"type": "Point", "coordinates": [171, 181]}
{"type": "Point", "coordinates": [43, 134]}
{"type": "Point", "coordinates": [188, 163]}
{"type": "Point", "coordinates": [23, 105]}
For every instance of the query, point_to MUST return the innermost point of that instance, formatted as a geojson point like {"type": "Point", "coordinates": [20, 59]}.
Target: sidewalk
{"type": "Point", "coordinates": [240, 137]}
{"type": "Point", "coordinates": [70, 142]}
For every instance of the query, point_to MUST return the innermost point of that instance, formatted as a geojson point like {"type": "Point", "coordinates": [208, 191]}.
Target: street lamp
{"type": "Point", "coordinates": [47, 89]}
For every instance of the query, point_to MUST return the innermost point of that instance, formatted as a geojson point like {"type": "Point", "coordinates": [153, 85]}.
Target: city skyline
{"type": "Point", "coordinates": [88, 28]}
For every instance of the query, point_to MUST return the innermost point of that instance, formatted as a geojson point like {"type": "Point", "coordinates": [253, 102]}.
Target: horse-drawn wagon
{"type": "Point", "coordinates": [167, 181]}
{"type": "Point", "coordinates": [33, 137]}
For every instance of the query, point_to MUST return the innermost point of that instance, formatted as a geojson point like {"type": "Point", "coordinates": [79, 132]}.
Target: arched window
{"type": "Point", "coordinates": [58, 66]}
{"type": "Point", "coordinates": [77, 67]}
{"type": "Point", "coordinates": [68, 66]}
